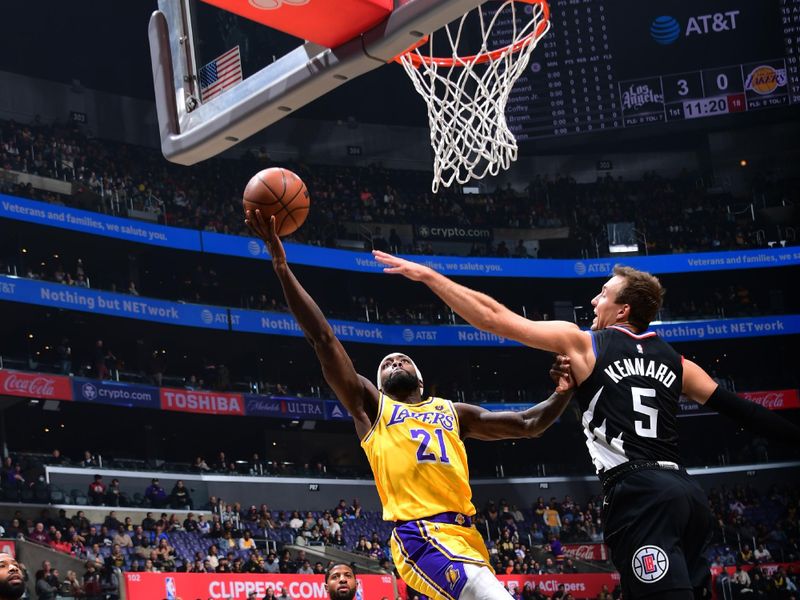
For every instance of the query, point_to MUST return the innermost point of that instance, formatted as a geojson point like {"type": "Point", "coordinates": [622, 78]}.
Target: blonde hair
{"type": "Point", "coordinates": [643, 292]}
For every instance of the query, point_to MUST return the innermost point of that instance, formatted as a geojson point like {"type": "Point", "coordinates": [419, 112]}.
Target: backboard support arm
{"type": "Point", "coordinates": [192, 131]}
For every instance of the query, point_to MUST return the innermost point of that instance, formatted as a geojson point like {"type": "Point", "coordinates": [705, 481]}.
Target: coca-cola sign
{"type": "Point", "coordinates": [774, 399]}
{"type": "Point", "coordinates": [586, 551]}
{"type": "Point", "coordinates": [35, 385]}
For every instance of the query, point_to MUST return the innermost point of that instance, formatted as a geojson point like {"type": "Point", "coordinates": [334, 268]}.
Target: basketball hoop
{"type": "Point", "coordinates": [467, 94]}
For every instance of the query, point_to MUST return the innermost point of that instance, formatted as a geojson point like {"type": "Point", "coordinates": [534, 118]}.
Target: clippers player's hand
{"type": "Point", "coordinates": [400, 266]}
{"type": "Point", "coordinates": [561, 374]}
{"type": "Point", "coordinates": [267, 232]}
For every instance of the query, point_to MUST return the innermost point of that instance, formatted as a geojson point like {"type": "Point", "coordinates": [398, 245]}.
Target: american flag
{"type": "Point", "coordinates": [222, 73]}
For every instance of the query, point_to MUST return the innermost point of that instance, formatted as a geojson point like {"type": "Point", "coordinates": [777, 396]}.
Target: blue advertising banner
{"type": "Point", "coordinates": [115, 393]}
{"type": "Point", "coordinates": [15, 289]}
{"type": "Point", "coordinates": [510, 267]}
{"type": "Point", "coordinates": [31, 291]}
{"type": "Point", "coordinates": [718, 329]}
{"type": "Point", "coordinates": [84, 221]}
{"type": "Point", "coordinates": [335, 411]}
{"type": "Point", "coordinates": [350, 331]}
{"type": "Point", "coordinates": [284, 407]}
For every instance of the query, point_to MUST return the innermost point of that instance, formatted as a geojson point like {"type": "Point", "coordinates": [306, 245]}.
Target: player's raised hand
{"type": "Point", "coordinates": [267, 231]}
{"type": "Point", "coordinates": [401, 266]}
{"type": "Point", "coordinates": [561, 374]}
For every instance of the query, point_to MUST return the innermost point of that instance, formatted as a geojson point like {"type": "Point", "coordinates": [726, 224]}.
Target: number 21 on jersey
{"type": "Point", "coordinates": [426, 452]}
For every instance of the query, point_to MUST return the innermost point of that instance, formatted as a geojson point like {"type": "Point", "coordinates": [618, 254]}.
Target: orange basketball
{"type": "Point", "coordinates": [278, 192]}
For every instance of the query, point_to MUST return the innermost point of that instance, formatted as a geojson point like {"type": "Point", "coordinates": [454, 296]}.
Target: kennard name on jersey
{"type": "Point", "coordinates": [630, 400]}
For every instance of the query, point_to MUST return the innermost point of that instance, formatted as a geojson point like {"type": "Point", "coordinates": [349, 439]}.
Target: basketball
{"type": "Point", "coordinates": [279, 192]}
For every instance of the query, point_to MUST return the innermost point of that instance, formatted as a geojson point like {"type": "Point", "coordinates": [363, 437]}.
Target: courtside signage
{"type": "Point", "coordinates": [115, 393]}
{"type": "Point", "coordinates": [35, 385]}
{"type": "Point", "coordinates": [29, 291]}
{"type": "Point", "coordinates": [32, 211]}
{"type": "Point", "coordinates": [197, 401]}
{"type": "Point", "coordinates": [239, 586]}
{"type": "Point", "coordinates": [84, 221]}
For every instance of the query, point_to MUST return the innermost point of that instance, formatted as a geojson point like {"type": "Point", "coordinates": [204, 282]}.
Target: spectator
{"type": "Point", "coordinates": [179, 498]}
{"type": "Point", "coordinates": [271, 564]}
{"type": "Point", "coordinates": [70, 587]}
{"type": "Point", "coordinates": [97, 491]}
{"type": "Point", "coordinates": [64, 356]}
{"type": "Point", "coordinates": [305, 568]}
{"type": "Point", "coordinates": [200, 465]}
{"type": "Point", "coordinates": [746, 555]}
{"type": "Point", "coordinates": [762, 554]}
{"type": "Point", "coordinates": [101, 358]}
{"type": "Point", "coordinates": [246, 542]}
{"type": "Point", "coordinates": [91, 581]}
{"type": "Point", "coordinates": [59, 544]}
{"type": "Point", "coordinates": [156, 494]}
{"type": "Point", "coordinates": [114, 495]}
{"type": "Point", "coordinates": [39, 535]}
{"type": "Point", "coordinates": [44, 589]}
{"type": "Point", "coordinates": [123, 539]}
{"type": "Point", "coordinates": [89, 460]}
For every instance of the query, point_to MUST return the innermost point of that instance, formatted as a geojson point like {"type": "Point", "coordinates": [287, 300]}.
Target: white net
{"type": "Point", "coordinates": [467, 95]}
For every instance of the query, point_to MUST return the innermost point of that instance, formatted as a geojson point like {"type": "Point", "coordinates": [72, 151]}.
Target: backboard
{"type": "Point", "coordinates": [222, 74]}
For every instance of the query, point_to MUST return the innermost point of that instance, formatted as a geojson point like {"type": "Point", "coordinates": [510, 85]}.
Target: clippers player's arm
{"type": "Point", "coordinates": [480, 424]}
{"type": "Point", "coordinates": [357, 393]}
{"type": "Point", "coordinates": [486, 313]}
{"type": "Point", "coordinates": [699, 386]}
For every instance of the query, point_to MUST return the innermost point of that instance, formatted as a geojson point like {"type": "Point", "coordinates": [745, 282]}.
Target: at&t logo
{"type": "Point", "coordinates": [580, 268]}
{"type": "Point", "coordinates": [253, 247]}
{"type": "Point", "coordinates": [206, 316]}
{"type": "Point", "coordinates": [408, 335]}
{"type": "Point", "coordinates": [666, 30]}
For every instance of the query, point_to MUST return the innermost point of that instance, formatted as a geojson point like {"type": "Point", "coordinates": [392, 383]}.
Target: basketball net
{"type": "Point", "coordinates": [467, 95]}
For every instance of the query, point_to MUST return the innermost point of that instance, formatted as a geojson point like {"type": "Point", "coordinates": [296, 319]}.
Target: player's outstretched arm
{"type": "Point", "coordinates": [699, 386]}
{"type": "Point", "coordinates": [357, 393]}
{"type": "Point", "coordinates": [481, 424]}
{"type": "Point", "coordinates": [486, 313]}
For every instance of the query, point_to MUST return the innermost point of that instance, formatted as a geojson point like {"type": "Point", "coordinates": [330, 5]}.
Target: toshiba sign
{"type": "Point", "coordinates": [195, 401]}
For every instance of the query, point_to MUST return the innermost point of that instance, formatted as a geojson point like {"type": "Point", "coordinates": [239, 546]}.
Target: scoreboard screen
{"type": "Point", "coordinates": [609, 64]}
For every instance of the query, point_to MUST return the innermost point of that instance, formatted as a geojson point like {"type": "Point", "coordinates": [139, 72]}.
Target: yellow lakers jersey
{"type": "Point", "coordinates": [418, 459]}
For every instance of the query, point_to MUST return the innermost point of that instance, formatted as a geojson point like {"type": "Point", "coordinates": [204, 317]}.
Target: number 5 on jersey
{"type": "Point", "coordinates": [423, 454]}
{"type": "Point", "coordinates": [651, 429]}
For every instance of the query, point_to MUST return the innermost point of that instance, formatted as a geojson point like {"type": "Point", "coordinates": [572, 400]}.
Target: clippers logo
{"type": "Point", "coordinates": [650, 563]}
{"type": "Point", "coordinates": [764, 80]}
{"type": "Point", "coordinates": [276, 4]}
{"type": "Point", "coordinates": [452, 575]}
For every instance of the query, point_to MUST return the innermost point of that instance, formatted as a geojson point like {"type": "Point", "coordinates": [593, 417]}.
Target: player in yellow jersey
{"type": "Point", "coordinates": [415, 448]}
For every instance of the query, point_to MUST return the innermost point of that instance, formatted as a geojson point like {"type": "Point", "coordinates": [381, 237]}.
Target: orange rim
{"type": "Point", "coordinates": [417, 60]}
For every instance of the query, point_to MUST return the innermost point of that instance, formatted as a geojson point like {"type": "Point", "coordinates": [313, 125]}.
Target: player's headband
{"type": "Point", "coordinates": [413, 364]}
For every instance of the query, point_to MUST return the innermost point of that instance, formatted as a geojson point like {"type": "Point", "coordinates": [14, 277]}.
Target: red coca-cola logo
{"type": "Point", "coordinates": [35, 386]}
{"type": "Point", "coordinates": [770, 400]}
{"type": "Point", "coordinates": [586, 551]}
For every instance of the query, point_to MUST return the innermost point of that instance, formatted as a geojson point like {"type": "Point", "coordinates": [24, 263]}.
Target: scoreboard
{"type": "Point", "coordinates": [609, 64]}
